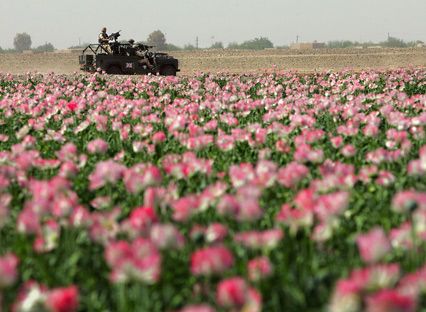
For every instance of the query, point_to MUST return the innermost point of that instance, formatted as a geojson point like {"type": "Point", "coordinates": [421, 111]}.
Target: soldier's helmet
{"type": "Point", "coordinates": [104, 29]}
{"type": "Point", "coordinates": [131, 41]}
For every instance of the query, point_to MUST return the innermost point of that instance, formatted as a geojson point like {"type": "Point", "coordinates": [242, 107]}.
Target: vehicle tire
{"type": "Point", "coordinates": [114, 70]}
{"type": "Point", "coordinates": [168, 70]}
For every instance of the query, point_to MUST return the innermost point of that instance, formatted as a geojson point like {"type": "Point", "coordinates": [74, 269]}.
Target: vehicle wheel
{"type": "Point", "coordinates": [168, 70]}
{"type": "Point", "coordinates": [114, 70]}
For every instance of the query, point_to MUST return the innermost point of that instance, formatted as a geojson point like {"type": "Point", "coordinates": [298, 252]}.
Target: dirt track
{"type": "Point", "coordinates": [239, 61]}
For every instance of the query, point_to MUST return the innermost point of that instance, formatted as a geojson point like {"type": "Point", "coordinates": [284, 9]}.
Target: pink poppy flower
{"type": "Point", "coordinates": [416, 168]}
{"type": "Point", "coordinates": [407, 201]}
{"type": "Point", "coordinates": [101, 122]}
{"type": "Point", "coordinates": [101, 202]}
{"type": "Point", "coordinates": [228, 205]}
{"type": "Point", "coordinates": [292, 174]}
{"type": "Point", "coordinates": [378, 276]}
{"type": "Point", "coordinates": [104, 226]}
{"type": "Point", "coordinates": [282, 147]}
{"type": "Point", "coordinates": [330, 205]}
{"type": "Point", "coordinates": [142, 218]}
{"type": "Point", "coordinates": [72, 106]}
{"type": "Point", "coordinates": [413, 284]}
{"type": "Point", "coordinates": [68, 170]}
{"type": "Point", "coordinates": [28, 222]}
{"type": "Point", "coordinates": [366, 173]}
{"type": "Point", "coordinates": [48, 238]}
{"type": "Point", "coordinates": [106, 172]}
{"type": "Point", "coordinates": [390, 300]}
{"type": "Point", "coordinates": [67, 152]}
{"type": "Point", "coordinates": [158, 137]}
{"type": "Point", "coordinates": [185, 207]}
{"type": "Point", "coordinates": [34, 296]}
{"type": "Point", "coordinates": [402, 237]}
{"type": "Point", "coordinates": [373, 246]}
{"type": "Point", "coordinates": [80, 217]}
{"type": "Point", "coordinates": [422, 156]}
{"type": "Point", "coordinates": [268, 239]}
{"type": "Point", "coordinates": [198, 308]}
{"type": "Point", "coordinates": [97, 146]}
{"type": "Point", "coordinates": [166, 236]}
{"type": "Point", "coordinates": [385, 178]}
{"type": "Point", "coordinates": [241, 174]}
{"type": "Point", "coordinates": [348, 150]}
{"type": "Point", "coordinates": [295, 218]}
{"type": "Point", "coordinates": [8, 270]}
{"type": "Point", "coordinates": [336, 142]}
{"type": "Point", "coordinates": [63, 299]}
{"type": "Point", "coordinates": [5, 201]}
{"type": "Point", "coordinates": [259, 268]}
{"type": "Point", "coordinates": [346, 296]}
{"type": "Point", "coordinates": [216, 233]}
{"type": "Point", "coordinates": [141, 176]}
{"type": "Point", "coordinates": [234, 293]}
{"type": "Point", "coordinates": [139, 261]}
{"type": "Point", "coordinates": [211, 260]}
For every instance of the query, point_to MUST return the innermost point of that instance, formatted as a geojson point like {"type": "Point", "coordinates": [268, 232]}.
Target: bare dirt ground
{"type": "Point", "coordinates": [236, 61]}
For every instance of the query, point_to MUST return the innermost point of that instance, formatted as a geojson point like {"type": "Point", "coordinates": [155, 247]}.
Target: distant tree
{"type": "Point", "coordinates": [393, 42]}
{"type": "Point", "coordinates": [22, 42]}
{"type": "Point", "coordinates": [157, 39]}
{"type": "Point", "coordinates": [233, 45]}
{"type": "Point", "coordinates": [171, 47]}
{"type": "Point", "coordinates": [47, 47]}
{"type": "Point", "coordinates": [369, 44]}
{"type": "Point", "coordinates": [189, 47]}
{"type": "Point", "coordinates": [257, 44]}
{"type": "Point", "coordinates": [336, 44]}
{"type": "Point", "coordinates": [415, 43]}
{"type": "Point", "coordinates": [217, 45]}
{"type": "Point", "coordinates": [4, 51]}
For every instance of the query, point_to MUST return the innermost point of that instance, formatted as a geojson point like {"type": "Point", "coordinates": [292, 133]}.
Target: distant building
{"type": "Point", "coordinates": [307, 45]}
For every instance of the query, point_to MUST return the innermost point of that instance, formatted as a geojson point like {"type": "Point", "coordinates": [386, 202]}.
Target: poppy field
{"type": "Point", "coordinates": [277, 191]}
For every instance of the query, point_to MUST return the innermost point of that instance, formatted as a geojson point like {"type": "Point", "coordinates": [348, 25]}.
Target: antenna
{"type": "Point", "coordinates": [297, 39]}
{"type": "Point", "coordinates": [196, 42]}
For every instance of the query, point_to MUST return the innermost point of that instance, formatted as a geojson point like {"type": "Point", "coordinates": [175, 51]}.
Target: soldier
{"type": "Point", "coordinates": [103, 36]}
{"type": "Point", "coordinates": [131, 51]}
{"type": "Point", "coordinates": [103, 40]}
{"type": "Point", "coordinates": [136, 50]}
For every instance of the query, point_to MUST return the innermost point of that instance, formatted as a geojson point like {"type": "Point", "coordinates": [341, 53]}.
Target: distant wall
{"type": "Point", "coordinates": [68, 51]}
{"type": "Point", "coordinates": [307, 45]}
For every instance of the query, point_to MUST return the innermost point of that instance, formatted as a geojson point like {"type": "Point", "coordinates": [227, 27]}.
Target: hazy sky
{"type": "Point", "coordinates": [65, 22]}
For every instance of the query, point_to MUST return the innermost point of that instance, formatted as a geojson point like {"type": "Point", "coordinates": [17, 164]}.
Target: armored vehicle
{"type": "Point", "coordinates": [119, 58]}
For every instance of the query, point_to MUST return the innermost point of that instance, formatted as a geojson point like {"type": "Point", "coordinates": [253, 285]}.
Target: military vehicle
{"type": "Point", "coordinates": [119, 58]}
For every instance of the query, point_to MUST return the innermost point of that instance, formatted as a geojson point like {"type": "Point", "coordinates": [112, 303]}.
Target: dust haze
{"type": "Point", "coordinates": [66, 23]}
